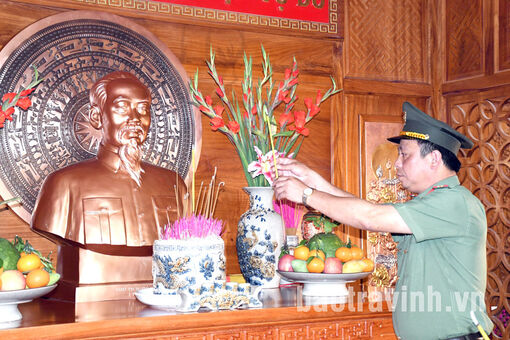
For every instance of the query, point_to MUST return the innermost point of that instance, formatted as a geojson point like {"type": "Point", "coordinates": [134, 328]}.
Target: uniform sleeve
{"type": "Point", "coordinates": [442, 213]}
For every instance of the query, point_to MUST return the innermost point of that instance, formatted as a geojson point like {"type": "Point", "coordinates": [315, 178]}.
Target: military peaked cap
{"type": "Point", "coordinates": [419, 125]}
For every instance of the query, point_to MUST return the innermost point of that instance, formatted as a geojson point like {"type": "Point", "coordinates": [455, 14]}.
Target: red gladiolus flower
{"type": "Point", "coordinates": [8, 112]}
{"type": "Point", "coordinates": [220, 92]}
{"type": "Point", "coordinates": [287, 73]}
{"type": "Point", "coordinates": [218, 109]}
{"type": "Point", "coordinates": [9, 96]}
{"type": "Point", "coordinates": [208, 100]}
{"type": "Point", "coordinates": [24, 103]}
{"type": "Point", "coordinates": [293, 82]}
{"type": "Point", "coordinates": [220, 79]}
{"type": "Point", "coordinates": [287, 100]}
{"type": "Point", "coordinates": [254, 110]}
{"type": "Point", "coordinates": [233, 126]}
{"type": "Point", "coordinates": [300, 121]}
{"type": "Point", "coordinates": [280, 87]}
{"type": "Point", "coordinates": [282, 95]}
{"type": "Point", "coordinates": [216, 123]}
{"type": "Point", "coordinates": [197, 97]}
{"type": "Point", "coordinates": [6, 115]}
{"type": "Point", "coordinates": [286, 118]}
{"type": "Point", "coordinates": [26, 92]}
{"type": "Point", "coordinates": [245, 114]}
{"type": "Point", "coordinates": [203, 109]}
{"type": "Point", "coordinates": [245, 97]}
{"type": "Point", "coordinates": [314, 111]}
{"type": "Point", "coordinates": [319, 98]}
{"type": "Point", "coordinates": [308, 103]}
{"type": "Point", "coordinates": [295, 73]}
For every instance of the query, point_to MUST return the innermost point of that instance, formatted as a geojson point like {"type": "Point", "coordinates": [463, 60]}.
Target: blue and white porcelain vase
{"type": "Point", "coordinates": [260, 237]}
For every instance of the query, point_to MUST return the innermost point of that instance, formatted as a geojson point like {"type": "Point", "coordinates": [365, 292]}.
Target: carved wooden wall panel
{"type": "Point", "coordinates": [503, 35]}
{"type": "Point", "coordinates": [345, 330]}
{"type": "Point", "coordinates": [387, 40]}
{"type": "Point", "coordinates": [464, 39]}
{"type": "Point", "coordinates": [485, 118]}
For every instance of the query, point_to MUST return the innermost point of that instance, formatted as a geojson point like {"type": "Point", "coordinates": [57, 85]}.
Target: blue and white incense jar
{"type": "Point", "coordinates": [186, 264]}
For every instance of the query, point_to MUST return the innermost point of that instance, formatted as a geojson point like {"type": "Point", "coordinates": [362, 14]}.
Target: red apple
{"type": "Point", "coordinates": [332, 265]}
{"type": "Point", "coordinates": [285, 263]}
{"type": "Point", "coordinates": [12, 280]}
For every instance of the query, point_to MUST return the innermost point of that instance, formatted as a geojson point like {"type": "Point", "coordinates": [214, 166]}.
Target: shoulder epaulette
{"type": "Point", "coordinates": [438, 187]}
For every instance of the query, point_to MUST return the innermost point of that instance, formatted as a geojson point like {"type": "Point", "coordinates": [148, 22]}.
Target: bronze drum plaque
{"type": "Point", "coordinates": [72, 51]}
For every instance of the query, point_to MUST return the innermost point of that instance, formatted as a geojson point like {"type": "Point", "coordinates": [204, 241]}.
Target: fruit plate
{"type": "Point", "coordinates": [10, 299]}
{"type": "Point", "coordinates": [318, 284]}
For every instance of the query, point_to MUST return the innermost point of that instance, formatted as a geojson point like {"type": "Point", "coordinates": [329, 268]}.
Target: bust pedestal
{"type": "Point", "coordinates": [88, 275]}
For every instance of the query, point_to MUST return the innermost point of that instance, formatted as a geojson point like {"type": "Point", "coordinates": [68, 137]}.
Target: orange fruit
{"type": "Point", "coordinates": [38, 278]}
{"type": "Point", "coordinates": [316, 265]}
{"type": "Point", "coordinates": [357, 253]}
{"type": "Point", "coordinates": [28, 262]}
{"type": "Point", "coordinates": [317, 252]}
{"type": "Point", "coordinates": [301, 253]}
{"type": "Point", "coordinates": [367, 264]}
{"type": "Point", "coordinates": [343, 254]}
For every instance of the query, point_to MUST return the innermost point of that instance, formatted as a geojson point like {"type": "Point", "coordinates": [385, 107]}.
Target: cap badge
{"type": "Point", "coordinates": [414, 135]}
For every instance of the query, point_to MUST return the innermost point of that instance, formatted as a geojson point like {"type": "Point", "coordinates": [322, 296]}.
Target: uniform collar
{"type": "Point", "coordinates": [448, 182]}
{"type": "Point", "coordinates": [109, 156]}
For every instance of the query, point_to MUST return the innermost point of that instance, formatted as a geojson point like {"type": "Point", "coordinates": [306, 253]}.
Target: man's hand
{"type": "Point", "coordinates": [291, 188]}
{"type": "Point", "coordinates": [288, 167]}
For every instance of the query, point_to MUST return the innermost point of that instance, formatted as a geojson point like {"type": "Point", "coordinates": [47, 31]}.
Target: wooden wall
{"type": "Point", "coordinates": [190, 41]}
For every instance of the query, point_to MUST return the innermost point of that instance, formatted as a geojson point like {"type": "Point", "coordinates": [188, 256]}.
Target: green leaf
{"type": "Point", "coordinates": [283, 134]}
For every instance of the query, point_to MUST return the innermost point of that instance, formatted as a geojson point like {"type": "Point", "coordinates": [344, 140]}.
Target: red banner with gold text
{"type": "Point", "coordinates": [307, 10]}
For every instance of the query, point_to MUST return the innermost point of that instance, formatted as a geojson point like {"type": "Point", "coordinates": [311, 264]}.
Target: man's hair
{"type": "Point", "coordinates": [97, 95]}
{"type": "Point", "coordinates": [449, 159]}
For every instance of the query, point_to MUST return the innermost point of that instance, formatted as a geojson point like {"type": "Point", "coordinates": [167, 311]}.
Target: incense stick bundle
{"type": "Point", "coordinates": [195, 216]}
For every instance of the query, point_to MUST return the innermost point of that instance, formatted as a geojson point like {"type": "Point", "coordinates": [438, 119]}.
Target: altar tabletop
{"type": "Point", "coordinates": [285, 314]}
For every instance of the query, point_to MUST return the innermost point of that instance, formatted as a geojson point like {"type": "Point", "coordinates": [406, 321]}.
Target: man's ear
{"type": "Point", "coordinates": [436, 159]}
{"type": "Point", "coordinates": [95, 117]}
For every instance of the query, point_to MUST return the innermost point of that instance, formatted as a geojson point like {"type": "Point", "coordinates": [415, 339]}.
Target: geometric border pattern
{"type": "Point", "coordinates": [225, 16]}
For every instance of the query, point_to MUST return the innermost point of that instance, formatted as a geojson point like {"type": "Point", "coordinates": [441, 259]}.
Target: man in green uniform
{"type": "Point", "coordinates": [441, 233]}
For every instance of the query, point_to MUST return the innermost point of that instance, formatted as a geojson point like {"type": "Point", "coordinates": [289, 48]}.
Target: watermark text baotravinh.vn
{"type": "Point", "coordinates": [430, 300]}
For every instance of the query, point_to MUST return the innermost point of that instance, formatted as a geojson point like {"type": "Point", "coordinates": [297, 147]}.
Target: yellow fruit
{"type": "Point", "coordinates": [28, 262]}
{"type": "Point", "coordinates": [367, 264]}
{"type": "Point", "coordinates": [38, 278]}
{"type": "Point", "coordinates": [301, 253]}
{"type": "Point", "coordinates": [352, 266]}
{"type": "Point", "coordinates": [316, 265]}
{"type": "Point", "coordinates": [343, 254]}
{"type": "Point", "coordinates": [357, 253]}
{"type": "Point", "coordinates": [317, 252]}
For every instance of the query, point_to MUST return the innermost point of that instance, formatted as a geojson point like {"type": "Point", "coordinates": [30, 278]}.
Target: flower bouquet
{"type": "Point", "coordinates": [263, 122]}
{"type": "Point", "coordinates": [12, 99]}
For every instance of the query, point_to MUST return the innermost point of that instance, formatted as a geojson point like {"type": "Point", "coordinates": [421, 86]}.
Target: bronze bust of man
{"type": "Point", "coordinates": [111, 206]}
